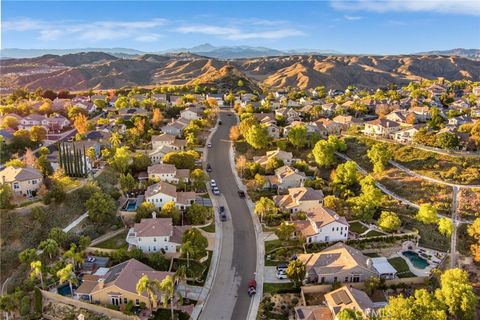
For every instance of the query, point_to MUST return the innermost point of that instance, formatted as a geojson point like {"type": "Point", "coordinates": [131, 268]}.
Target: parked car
{"type": "Point", "coordinates": [213, 183]}
{"type": "Point", "coordinates": [220, 122]}
{"type": "Point", "coordinates": [209, 168]}
{"type": "Point", "coordinates": [252, 287]}
{"type": "Point", "coordinates": [241, 193]}
{"type": "Point", "coordinates": [209, 145]}
{"type": "Point", "coordinates": [282, 267]}
{"type": "Point", "coordinates": [281, 275]}
{"type": "Point", "coordinates": [216, 191]}
{"type": "Point", "coordinates": [223, 214]}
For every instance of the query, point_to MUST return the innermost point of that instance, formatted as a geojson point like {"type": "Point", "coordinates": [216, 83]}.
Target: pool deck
{"type": "Point", "coordinates": [432, 263]}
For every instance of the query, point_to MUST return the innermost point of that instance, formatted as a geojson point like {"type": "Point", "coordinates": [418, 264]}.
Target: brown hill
{"type": "Point", "coordinates": [103, 71]}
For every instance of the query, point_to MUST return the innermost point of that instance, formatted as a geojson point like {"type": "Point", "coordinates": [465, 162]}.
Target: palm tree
{"type": "Point", "coordinates": [67, 275]}
{"type": "Point", "coordinates": [50, 247]}
{"type": "Point", "coordinates": [72, 253]}
{"type": "Point", "coordinates": [168, 287]}
{"type": "Point", "coordinates": [151, 288]}
{"type": "Point", "coordinates": [36, 272]}
{"type": "Point", "coordinates": [187, 249]}
{"type": "Point", "coordinates": [181, 275]}
{"type": "Point", "coordinates": [115, 139]}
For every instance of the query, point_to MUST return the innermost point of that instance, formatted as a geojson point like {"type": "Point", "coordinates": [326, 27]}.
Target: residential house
{"type": "Point", "coordinates": [117, 285]}
{"type": "Point", "coordinates": [56, 123]}
{"type": "Point", "coordinates": [332, 127]}
{"type": "Point", "coordinates": [286, 177]}
{"type": "Point", "coordinates": [422, 113]}
{"type": "Point", "coordinates": [286, 157]}
{"type": "Point", "coordinates": [317, 312]}
{"type": "Point", "coordinates": [273, 130]}
{"type": "Point", "coordinates": [23, 181]}
{"type": "Point", "coordinates": [168, 173]}
{"type": "Point", "coordinates": [31, 120]}
{"type": "Point", "coordinates": [157, 155]}
{"type": "Point", "coordinates": [162, 192]}
{"type": "Point", "coordinates": [265, 118]}
{"type": "Point", "coordinates": [329, 108]}
{"type": "Point", "coordinates": [86, 105]}
{"type": "Point", "coordinates": [349, 298]}
{"type": "Point", "coordinates": [191, 113]}
{"type": "Point", "coordinates": [155, 235]}
{"type": "Point", "coordinates": [7, 135]}
{"type": "Point", "coordinates": [476, 90]}
{"type": "Point", "coordinates": [169, 140]}
{"type": "Point", "coordinates": [337, 263]}
{"type": "Point", "coordinates": [381, 128]}
{"type": "Point", "coordinates": [322, 225]}
{"type": "Point", "coordinates": [159, 97]}
{"type": "Point", "coordinates": [303, 199]}
{"type": "Point", "coordinates": [346, 121]}
{"type": "Point", "coordinates": [458, 121]}
{"type": "Point", "coordinates": [288, 114]}
{"type": "Point", "coordinates": [460, 104]}
{"type": "Point", "coordinates": [405, 135]}
{"type": "Point", "coordinates": [176, 127]}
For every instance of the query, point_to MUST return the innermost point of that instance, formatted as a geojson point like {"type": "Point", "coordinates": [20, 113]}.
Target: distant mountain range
{"type": "Point", "coordinates": [100, 70]}
{"type": "Point", "coordinates": [208, 50]}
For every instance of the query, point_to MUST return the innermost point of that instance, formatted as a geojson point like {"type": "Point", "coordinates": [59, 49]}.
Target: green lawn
{"type": "Point", "coordinates": [373, 233]}
{"type": "Point", "coordinates": [196, 270]}
{"type": "Point", "coordinates": [281, 251]}
{"type": "Point", "coordinates": [357, 227]}
{"type": "Point", "coordinates": [210, 228]}
{"type": "Point", "coordinates": [274, 288]}
{"type": "Point", "coordinates": [402, 267]}
{"type": "Point", "coordinates": [116, 242]}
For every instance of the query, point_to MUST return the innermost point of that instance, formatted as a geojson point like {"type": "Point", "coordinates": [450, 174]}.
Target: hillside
{"type": "Point", "coordinates": [99, 70]}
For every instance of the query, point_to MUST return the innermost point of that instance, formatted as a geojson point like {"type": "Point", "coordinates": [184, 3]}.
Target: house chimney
{"type": "Point", "coordinates": [101, 283]}
{"type": "Point", "coordinates": [154, 214]}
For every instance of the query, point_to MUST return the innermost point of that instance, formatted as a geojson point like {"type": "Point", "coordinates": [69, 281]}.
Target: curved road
{"type": "Point", "coordinates": [228, 298]}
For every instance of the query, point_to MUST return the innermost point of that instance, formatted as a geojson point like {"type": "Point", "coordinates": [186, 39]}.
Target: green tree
{"type": "Point", "coordinates": [371, 284]}
{"type": "Point", "coordinates": [115, 139]}
{"type": "Point", "coordinates": [181, 276]}
{"type": "Point", "coordinates": [144, 211]}
{"type": "Point", "coordinates": [334, 203]}
{"type": "Point", "coordinates": [151, 288]}
{"type": "Point", "coordinates": [389, 221]}
{"type": "Point", "coordinates": [169, 210]}
{"type": "Point", "coordinates": [58, 235]}
{"type": "Point", "coordinates": [457, 293]}
{"type": "Point", "coordinates": [199, 178]}
{"type": "Point", "coordinates": [346, 174]}
{"type": "Point", "coordinates": [181, 159]}
{"type": "Point", "coordinates": [273, 163]}
{"type": "Point", "coordinates": [257, 136]}
{"type": "Point", "coordinates": [198, 214]}
{"type": "Point", "coordinates": [36, 271]}
{"type": "Point", "coordinates": [74, 253]}
{"type": "Point", "coordinates": [122, 159]}
{"type": "Point", "coordinates": [197, 242]}
{"type": "Point", "coordinates": [338, 144]}
{"type": "Point", "coordinates": [366, 204]}
{"type": "Point", "coordinates": [297, 136]}
{"type": "Point", "coordinates": [50, 247]}
{"type": "Point", "coordinates": [447, 140]}
{"type": "Point", "coordinates": [285, 231]}
{"type": "Point", "coordinates": [6, 196]}
{"type": "Point", "coordinates": [38, 133]}
{"type": "Point", "coordinates": [266, 208]}
{"type": "Point", "coordinates": [445, 226]}
{"type": "Point", "coordinates": [296, 272]}
{"type": "Point", "coordinates": [101, 207]}
{"type": "Point", "coordinates": [127, 182]}
{"type": "Point", "coordinates": [259, 181]}
{"type": "Point", "coordinates": [324, 153]}
{"type": "Point", "coordinates": [436, 120]}
{"type": "Point", "coordinates": [44, 165]}
{"type": "Point", "coordinates": [349, 314]}
{"type": "Point", "coordinates": [379, 155]}
{"type": "Point", "coordinates": [427, 214]}
{"type": "Point", "coordinates": [15, 163]}
{"type": "Point", "coordinates": [84, 242]}
{"type": "Point", "coordinates": [27, 256]}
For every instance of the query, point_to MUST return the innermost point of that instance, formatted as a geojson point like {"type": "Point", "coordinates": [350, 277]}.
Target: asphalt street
{"type": "Point", "coordinates": [228, 297]}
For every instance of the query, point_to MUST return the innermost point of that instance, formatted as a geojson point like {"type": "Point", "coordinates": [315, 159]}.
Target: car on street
{"type": "Point", "coordinates": [252, 287]}
{"type": "Point", "coordinates": [220, 122]}
{"type": "Point", "coordinates": [209, 168]}
{"type": "Point", "coordinates": [209, 145]}
{"type": "Point", "coordinates": [282, 267]}
{"type": "Point", "coordinates": [213, 183]}
{"type": "Point", "coordinates": [281, 275]}
{"type": "Point", "coordinates": [241, 193]}
{"type": "Point", "coordinates": [223, 214]}
{"type": "Point", "coordinates": [216, 191]}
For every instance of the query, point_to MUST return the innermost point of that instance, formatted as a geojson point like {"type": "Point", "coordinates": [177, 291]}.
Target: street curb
{"type": "Point", "coordinates": [259, 274]}
{"type": "Point", "coordinates": [212, 271]}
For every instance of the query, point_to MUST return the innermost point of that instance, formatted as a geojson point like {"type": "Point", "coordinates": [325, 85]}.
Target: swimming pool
{"type": "Point", "coordinates": [415, 259]}
{"type": "Point", "coordinates": [64, 289]}
{"type": "Point", "coordinates": [132, 205]}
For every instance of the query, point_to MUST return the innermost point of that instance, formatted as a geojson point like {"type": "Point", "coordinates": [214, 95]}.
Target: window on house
{"type": "Point", "coordinates": [125, 300]}
{"type": "Point", "coordinates": [346, 279]}
{"type": "Point", "coordinates": [16, 185]}
{"type": "Point", "coordinates": [137, 302]}
{"type": "Point", "coordinates": [34, 181]}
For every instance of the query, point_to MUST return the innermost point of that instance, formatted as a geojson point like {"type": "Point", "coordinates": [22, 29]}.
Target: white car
{"type": "Point", "coordinates": [216, 191]}
{"type": "Point", "coordinates": [213, 183]}
{"type": "Point", "coordinates": [281, 275]}
{"type": "Point", "coordinates": [209, 145]}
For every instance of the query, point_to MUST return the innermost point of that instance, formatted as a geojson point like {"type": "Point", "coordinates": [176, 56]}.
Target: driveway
{"type": "Point", "coordinates": [270, 276]}
{"type": "Point", "coordinates": [228, 298]}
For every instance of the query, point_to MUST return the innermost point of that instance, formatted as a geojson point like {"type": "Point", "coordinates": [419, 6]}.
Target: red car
{"type": "Point", "coordinates": [252, 287]}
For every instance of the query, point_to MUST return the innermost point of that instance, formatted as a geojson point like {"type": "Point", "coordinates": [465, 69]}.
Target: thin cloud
{"type": "Point", "coordinates": [467, 7]}
{"type": "Point", "coordinates": [352, 18]}
{"type": "Point", "coordinates": [235, 33]}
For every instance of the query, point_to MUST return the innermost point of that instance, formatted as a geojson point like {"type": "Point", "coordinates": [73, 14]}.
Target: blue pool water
{"type": "Point", "coordinates": [64, 290]}
{"type": "Point", "coordinates": [132, 205]}
{"type": "Point", "coordinates": [415, 259]}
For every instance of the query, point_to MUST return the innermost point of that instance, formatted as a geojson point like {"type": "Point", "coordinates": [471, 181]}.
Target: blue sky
{"type": "Point", "coordinates": [363, 26]}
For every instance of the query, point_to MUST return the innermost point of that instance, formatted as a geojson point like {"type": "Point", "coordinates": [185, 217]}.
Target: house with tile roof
{"type": "Point", "coordinates": [286, 177]}
{"type": "Point", "coordinates": [304, 199]}
{"type": "Point", "coordinates": [381, 128]}
{"type": "Point", "coordinates": [31, 120]}
{"type": "Point", "coordinates": [168, 173]}
{"type": "Point", "coordinates": [23, 181]}
{"type": "Point", "coordinates": [286, 157]}
{"type": "Point", "coordinates": [349, 298]}
{"type": "Point", "coordinates": [117, 286]}
{"type": "Point", "coordinates": [322, 225]}
{"type": "Point", "coordinates": [337, 263]}
{"type": "Point", "coordinates": [163, 192]}
{"type": "Point", "coordinates": [156, 235]}
{"type": "Point", "coordinates": [318, 312]}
